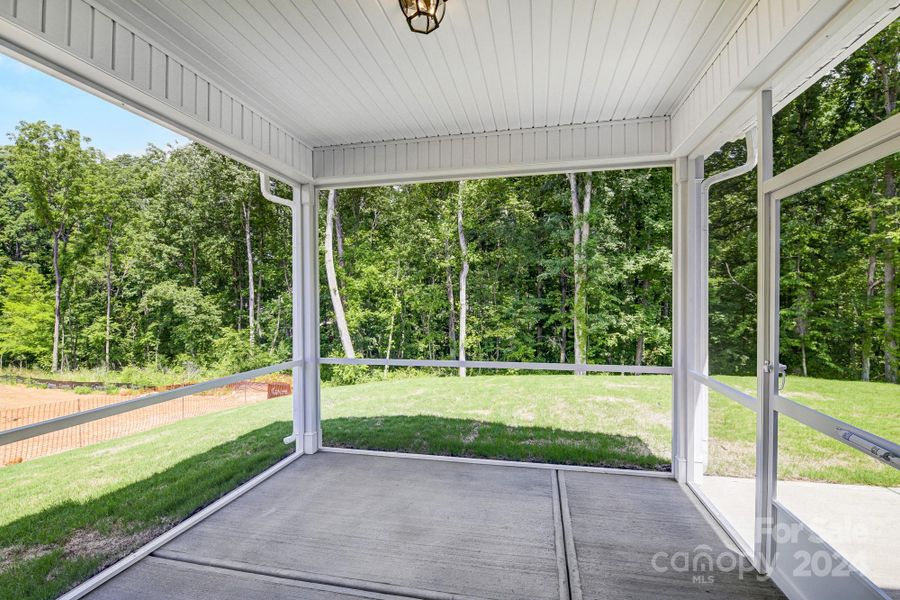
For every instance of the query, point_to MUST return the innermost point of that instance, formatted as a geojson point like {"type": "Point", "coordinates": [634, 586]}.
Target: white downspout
{"type": "Point", "coordinates": [297, 412]}
{"type": "Point", "coordinates": [700, 414]}
{"type": "Point", "coordinates": [264, 183]}
{"type": "Point", "coordinates": [748, 166]}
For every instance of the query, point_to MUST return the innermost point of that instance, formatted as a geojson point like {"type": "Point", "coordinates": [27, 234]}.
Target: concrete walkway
{"type": "Point", "coordinates": [858, 521]}
{"type": "Point", "coordinates": [336, 526]}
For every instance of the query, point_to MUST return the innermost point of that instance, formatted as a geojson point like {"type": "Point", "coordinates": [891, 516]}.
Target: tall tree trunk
{"type": "Point", "coordinates": [580, 233]}
{"type": "Point", "coordinates": [890, 251]}
{"type": "Point", "coordinates": [463, 277]}
{"type": "Point", "coordinates": [333, 290]}
{"type": "Point", "coordinates": [339, 234]}
{"type": "Point", "coordinates": [564, 332]}
{"type": "Point", "coordinates": [868, 333]}
{"type": "Point", "coordinates": [57, 274]}
{"type": "Point", "coordinates": [251, 292]}
{"type": "Point", "coordinates": [890, 288]}
{"type": "Point", "coordinates": [451, 303]}
{"type": "Point", "coordinates": [109, 246]}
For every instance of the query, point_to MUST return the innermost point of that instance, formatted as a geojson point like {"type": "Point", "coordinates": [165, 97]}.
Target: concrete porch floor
{"type": "Point", "coordinates": [335, 526]}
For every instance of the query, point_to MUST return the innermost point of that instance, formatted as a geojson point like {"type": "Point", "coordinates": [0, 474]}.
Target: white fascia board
{"type": "Point", "coordinates": [83, 45]}
{"type": "Point", "coordinates": [632, 143]}
{"type": "Point", "coordinates": [799, 52]}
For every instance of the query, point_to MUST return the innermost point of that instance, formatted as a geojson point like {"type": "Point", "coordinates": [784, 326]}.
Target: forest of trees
{"type": "Point", "coordinates": [172, 259]}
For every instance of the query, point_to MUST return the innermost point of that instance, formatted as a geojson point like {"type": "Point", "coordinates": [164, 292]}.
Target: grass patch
{"type": "Point", "coordinates": [610, 421]}
{"type": "Point", "coordinates": [804, 453]}
{"type": "Point", "coordinates": [65, 517]}
{"type": "Point", "coordinates": [586, 420]}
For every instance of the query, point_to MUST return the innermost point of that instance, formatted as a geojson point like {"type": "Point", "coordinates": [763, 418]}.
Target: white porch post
{"type": "Point", "coordinates": [305, 318]}
{"type": "Point", "coordinates": [680, 377]}
{"type": "Point", "coordinates": [689, 335]}
{"type": "Point", "coordinates": [310, 318]}
{"type": "Point", "coordinates": [690, 344]}
{"type": "Point", "coordinates": [767, 371]}
{"type": "Point", "coordinates": [297, 317]}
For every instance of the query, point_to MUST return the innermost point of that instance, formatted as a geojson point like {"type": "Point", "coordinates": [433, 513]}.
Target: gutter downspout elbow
{"type": "Point", "coordinates": [264, 183]}
{"type": "Point", "coordinates": [749, 165]}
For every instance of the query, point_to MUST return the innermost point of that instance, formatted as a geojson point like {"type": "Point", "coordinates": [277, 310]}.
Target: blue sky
{"type": "Point", "coordinates": [27, 94]}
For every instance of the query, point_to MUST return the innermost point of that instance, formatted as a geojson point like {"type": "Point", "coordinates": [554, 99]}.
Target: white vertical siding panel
{"type": "Point", "coordinates": [528, 155]}
{"type": "Point", "coordinates": [247, 125]}
{"type": "Point", "coordinates": [189, 95]}
{"type": "Point", "coordinates": [553, 145]}
{"type": "Point", "coordinates": [480, 155]}
{"type": "Point", "coordinates": [515, 147]}
{"type": "Point", "coordinates": [592, 141]}
{"type": "Point", "coordinates": [338, 162]}
{"type": "Point", "coordinates": [369, 164]}
{"type": "Point", "coordinates": [6, 8]}
{"type": "Point", "coordinates": [359, 162]}
{"type": "Point", "coordinates": [468, 151]}
{"type": "Point", "coordinates": [390, 158]}
{"type": "Point", "coordinates": [215, 106]}
{"type": "Point", "coordinates": [267, 138]}
{"type": "Point", "coordinates": [379, 158]}
{"type": "Point", "coordinates": [56, 21]}
{"type": "Point", "coordinates": [579, 142]}
{"type": "Point", "coordinates": [124, 41]}
{"type": "Point", "coordinates": [102, 42]}
{"type": "Point", "coordinates": [445, 161]}
{"type": "Point", "coordinates": [173, 82]}
{"type": "Point", "coordinates": [566, 143]}
{"type": "Point", "coordinates": [503, 149]}
{"type": "Point", "coordinates": [422, 154]}
{"type": "Point", "coordinates": [159, 72]}
{"type": "Point", "coordinates": [492, 149]}
{"type": "Point", "coordinates": [456, 152]}
{"type": "Point", "coordinates": [434, 154]}
{"type": "Point", "coordinates": [142, 54]}
{"type": "Point", "coordinates": [80, 28]}
{"type": "Point", "coordinates": [540, 145]}
{"type": "Point", "coordinates": [28, 12]}
{"type": "Point", "coordinates": [257, 125]}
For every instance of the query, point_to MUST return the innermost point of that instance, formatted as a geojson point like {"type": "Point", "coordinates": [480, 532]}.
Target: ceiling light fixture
{"type": "Point", "coordinates": [423, 16]}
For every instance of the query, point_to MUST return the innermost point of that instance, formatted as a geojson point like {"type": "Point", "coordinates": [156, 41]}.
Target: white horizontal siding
{"type": "Point", "coordinates": [519, 151]}
{"type": "Point", "coordinates": [88, 34]}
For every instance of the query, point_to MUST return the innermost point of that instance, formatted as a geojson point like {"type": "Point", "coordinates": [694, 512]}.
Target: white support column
{"type": "Point", "coordinates": [297, 317]}
{"type": "Point", "coordinates": [696, 338]}
{"type": "Point", "coordinates": [312, 428]}
{"type": "Point", "coordinates": [768, 260]}
{"type": "Point", "coordinates": [680, 378]}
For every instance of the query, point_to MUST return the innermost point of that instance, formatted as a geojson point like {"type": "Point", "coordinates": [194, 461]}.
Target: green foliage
{"type": "Point", "coordinates": [26, 315]}
{"type": "Point", "coordinates": [839, 239]}
{"type": "Point", "coordinates": [233, 352]}
{"type": "Point", "coordinates": [154, 268]}
{"type": "Point", "coordinates": [178, 321]}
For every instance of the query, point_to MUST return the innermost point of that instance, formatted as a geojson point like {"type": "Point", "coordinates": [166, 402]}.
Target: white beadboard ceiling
{"type": "Point", "coordinates": [349, 71]}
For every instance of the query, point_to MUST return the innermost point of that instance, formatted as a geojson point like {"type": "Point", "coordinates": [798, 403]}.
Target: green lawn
{"type": "Point", "coordinates": [610, 421]}
{"type": "Point", "coordinates": [614, 421]}
{"type": "Point", "coordinates": [64, 517]}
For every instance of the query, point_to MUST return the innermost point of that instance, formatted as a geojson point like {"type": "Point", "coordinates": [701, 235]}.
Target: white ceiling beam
{"type": "Point", "coordinates": [85, 46]}
{"type": "Point", "coordinates": [617, 144]}
{"type": "Point", "coordinates": [786, 54]}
